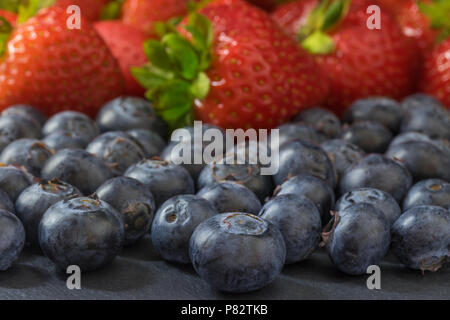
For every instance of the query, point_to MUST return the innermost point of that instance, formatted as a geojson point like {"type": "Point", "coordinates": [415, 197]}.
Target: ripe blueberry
{"type": "Point", "coordinates": [230, 196]}
{"type": "Point", "coordinates": [379, 199]}
{"type": "Point", "coordinates": [433, 192]}
{"type": "Point", "coordinates": [29, 153]}
{"type": "Point", "coordinates": [164, 179]}
{"type": "Point", "coordinates": [378, 172]}
{"type": "Point", "coordinates": [174, 224]}
{"type": "Point", "coordinates": [127, 113]}
{"type": "Point", "coordinates": [299, 222]}
{"type": "Point", "coordinates": [357, 237]}
{"type": "Point", "coordinates": [77, 167]}
{"type": "Point", "coordinates": [237, 252]}
{"type": "Point", "coordinates": [12, 237]}
{"type": "Point", "coordinates": [85, 232]}
{"type": "Point", "coordinates": [117, 149]}
{"type": "Point", "coordinates": [76, 122]}
{"type": "Point", "coordinates": [133, 201]}
{"type": "Point", "coordinates": [297, 158]}
{"type": "Point", "coordinates": [36, 199]}
{"type": "Point", "coordinates": [420, 237]}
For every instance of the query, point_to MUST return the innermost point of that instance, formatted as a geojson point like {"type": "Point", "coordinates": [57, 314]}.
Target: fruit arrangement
{"type": "Point", "coordinates": [87, 168]}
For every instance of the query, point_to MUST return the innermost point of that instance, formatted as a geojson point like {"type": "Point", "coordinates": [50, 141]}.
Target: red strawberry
{"type": "Point", "coordinates": [126, 44]}
{"type": "Point", "coordinates": [9, 16]}
{"type": "Point", "coordinates": [436, 75]}
{"type": "Point", "coordinates": [54, 68]}
{"type": "Point", "coordinates": [359, 62]}
{"type": "Point", "coordinates": [415, 23]}
{"type": "Point", "coordinates": [254, 75]}
{"type": "Point", "coordinates": [143, 14]}
{"type": "Point", "coordinates": [90, 9]}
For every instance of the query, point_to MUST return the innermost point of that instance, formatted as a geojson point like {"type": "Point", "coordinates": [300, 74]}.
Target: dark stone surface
{"type": "Point", "coordinates": [139, 273]}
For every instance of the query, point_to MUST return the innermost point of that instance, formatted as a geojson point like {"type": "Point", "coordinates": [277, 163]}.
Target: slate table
{"type": "Point", "coordinates": [139, 273]}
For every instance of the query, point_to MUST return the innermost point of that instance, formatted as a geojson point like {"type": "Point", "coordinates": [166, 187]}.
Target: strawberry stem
{"type": "Point", "coordinates": [29, 8]}
{"type": "Point", "coordinates": [174, 76]}
{"type": "Point", "coordinates": [324, 17]}
{"type": "Point", "coordinates": [112, 10]}
{"type": "Point", "coordinates": [5, 32]}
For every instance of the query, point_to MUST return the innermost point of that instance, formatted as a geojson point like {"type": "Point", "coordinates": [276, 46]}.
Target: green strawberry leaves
{"type": "Point", "coordinates": [324, 17]}
{"type": "Point", "coordinates": [111, 11]}
{"type": "Point", "coordinates": [174, 76]}
{"type": "Point", "coordinates": [438, 11]}
{"type": "Point", "coordinates": [28, 9]}
{"type": "Point", "coordinates": [10, 5]}
{"type": "Point", "coordinates": [5, 31]}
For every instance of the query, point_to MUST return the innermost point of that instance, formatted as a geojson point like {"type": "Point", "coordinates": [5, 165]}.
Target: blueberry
{"type": "Point", "coordinates": [150, 142]}
{"type": "Point", "coordinates": [85, 232]}
{"type": "Point", "coordinates": [6, 203]}
{"type": "Point", "coordinates": [420, 237]}
{"type": "Point", "coordinates": [385, 111]}
{"type": "Point", "coordinates": [432, 122]}
{"type": "Point", "coordinates": [237, 252]}
{"type": "Point", "coordinates": [408, 137]}
{"type": "Point", "coordinates": [378, 172]}
{"type": "Point", "coordinates": [357, 237]}
{"type": "Point", "coordinates": [174, 224]}
{"type": "Point", "coordinates": [194, 148]}
{"type": "Point", "coordinates": [127, 113]}
{"type": "Point", "coordinates": [379, 199]}
{"type": "Point", "coordinates": [164, 179]}
{"type": "Point", "coordinates": [77, 123]}
{"type": "Point", "coordinates": [12, 236]}
{"type": "Point", "coordinates": [13, 127]}
{"type": "Point", "coordinates": [36, 199]}
{"type": "Point", "coordinates": [433, 192]}
{"type": "Point", "coordinates": [343, 154]}
{"type": "Point", "coordinates": [77, 167]}
{"type": "Point", "coordinates": [26, 111]}
{"type": "Point", "coordinates": [298, 157]}
{"type": "Point", "coordinates": [133, 201]}
{"type": "Point", "coordinates": [64, 140]}
{"type": "Point", "coordinates": [323, 120]}
{"type": "Point", "coordinates": [298, 131]}
{"type": "Point", "coordinates": [299, 222]}
{"type": "Point", "coordinates": [248, 175]}
{"type": "Point", "coordinates": [368, 135]}
{"type": "Point", "coordinates": [14, 180]}
{"type": "Point", "coordinates": [420, 101]}
{"type": "Point", "coordinates": [423, 159]}
{"type": "Point", "coordinates": [117, 149]}
{"type": "Point", "coordinates": [29, 153]}
{"type": "Point", "coordinates": [230, 196]}
{"type": "Point", "coordinates": [315, 189]}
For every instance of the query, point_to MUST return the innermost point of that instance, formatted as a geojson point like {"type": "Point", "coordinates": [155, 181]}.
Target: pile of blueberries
{"type": "Point", "coordinates": [377, 179]}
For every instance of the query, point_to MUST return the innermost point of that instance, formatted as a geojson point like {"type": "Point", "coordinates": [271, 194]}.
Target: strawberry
{"type": "Point", "coordinates": [126, 44]}
{"type": "Point", "coordinates": [90, 9]}
{"type": "Point", "coordinates": [421, 20]}
{"type": "Point", "coordinates": [238, 70]}
{"type": "Point", "coordinates": [143, 14]}
{"type": "Point", "coordinates": [54, 68]}
{"type": "Point", "coordinates": [359, 62]}
{"type": "Point", "coordinates": [436, 74]}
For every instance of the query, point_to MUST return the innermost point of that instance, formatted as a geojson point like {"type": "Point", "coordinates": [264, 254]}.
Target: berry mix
{"type": "Point", "coordinates": [86, 160]}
